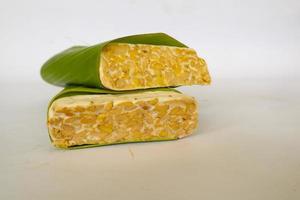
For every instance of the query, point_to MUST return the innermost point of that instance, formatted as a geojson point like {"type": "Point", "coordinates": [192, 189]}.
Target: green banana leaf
{"type": "Point", "coordinates": [79, 65]}
{"type": "Point", "coordinates": [79, 90]}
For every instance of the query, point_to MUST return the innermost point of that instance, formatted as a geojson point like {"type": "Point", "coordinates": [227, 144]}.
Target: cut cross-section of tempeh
{"type": "Point", "coordinates": [102, 119]}
{"type": "Point", "coordinates": [134, 66]}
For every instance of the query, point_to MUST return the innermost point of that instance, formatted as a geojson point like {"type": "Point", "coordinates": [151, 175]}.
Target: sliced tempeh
{"type": "Point", "coordinates": [102, 119]}
{"type": "Point", "coordinates": [134, 66]}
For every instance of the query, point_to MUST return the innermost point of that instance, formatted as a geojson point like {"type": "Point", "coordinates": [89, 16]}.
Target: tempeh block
{"type": "Point", "coordinates": [154, 60]}
{"type": "Point", "coordinates": [135, 66]}
{"type": "Point", "coordinates": [102, 119]}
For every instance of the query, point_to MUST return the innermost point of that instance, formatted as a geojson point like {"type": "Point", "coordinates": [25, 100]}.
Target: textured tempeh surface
{"type": "Point", "coordinates": [135, 66]}
{"type": "Point", "coordinates": [108, 119]}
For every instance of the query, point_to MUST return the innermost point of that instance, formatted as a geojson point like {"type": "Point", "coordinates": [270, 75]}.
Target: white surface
{"type": "Point", "coordinates": [248, 143]}
{"type": "Point", "coordinates": [247, 147]}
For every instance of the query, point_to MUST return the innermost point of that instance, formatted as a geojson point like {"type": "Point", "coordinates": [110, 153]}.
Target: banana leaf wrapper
{"type": "Point", "coordinates": [80, 117]}
{"type": "Point", "coordinates": [128, 63]}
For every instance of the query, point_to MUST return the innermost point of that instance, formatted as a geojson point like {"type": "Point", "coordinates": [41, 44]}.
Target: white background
{"type": "Point", "coordinates": [248, 143]}
{"type": "Point", "coordinates": [245, 39]}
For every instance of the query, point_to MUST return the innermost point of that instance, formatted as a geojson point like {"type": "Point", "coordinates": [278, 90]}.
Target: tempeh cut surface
{"type": "Point", "coordinates": [138, 66]}
{"type": "Point", "coordinates": [109, 119]}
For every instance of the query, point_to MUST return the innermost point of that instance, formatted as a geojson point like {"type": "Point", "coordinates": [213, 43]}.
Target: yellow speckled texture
{"type": "Point", "coordinates": [135, 66]}
{"type": "Point", "coordinates": [103, 119]}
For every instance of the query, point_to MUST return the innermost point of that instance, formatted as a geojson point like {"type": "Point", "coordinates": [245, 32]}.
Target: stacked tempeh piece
{"type": "Point", "coordinates": [121, 91]}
